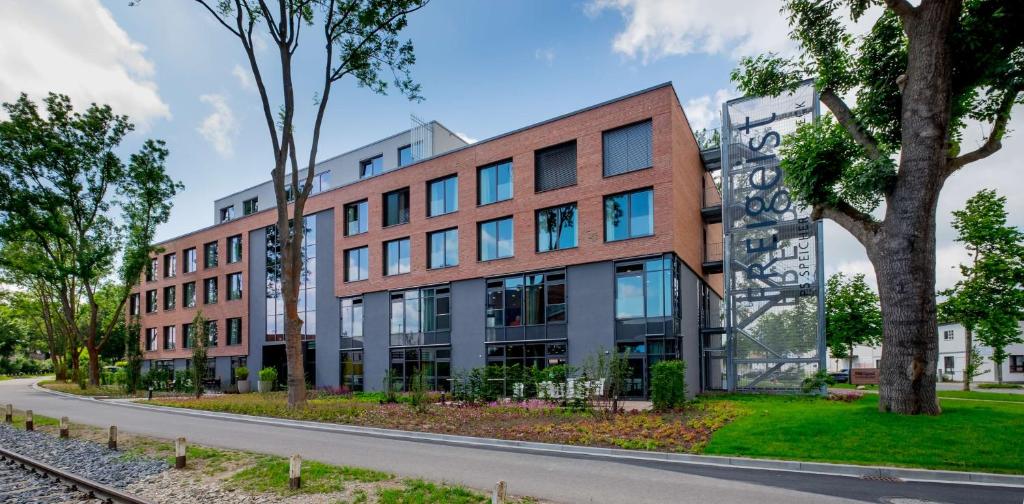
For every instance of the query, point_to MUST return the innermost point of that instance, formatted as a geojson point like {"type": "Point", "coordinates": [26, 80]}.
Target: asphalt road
{"type": "Point", "coordinates": [551, 477]}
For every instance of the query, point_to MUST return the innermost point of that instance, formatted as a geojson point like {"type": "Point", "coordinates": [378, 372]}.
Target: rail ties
{"type": "Point", "coordinates": [46, 484]}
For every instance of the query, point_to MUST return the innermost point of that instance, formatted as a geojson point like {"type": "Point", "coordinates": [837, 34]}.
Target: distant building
{"type": "Point", "coordinates": [952, 359]}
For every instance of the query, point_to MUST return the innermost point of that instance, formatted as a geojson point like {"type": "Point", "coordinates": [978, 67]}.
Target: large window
{"type": "Point", "coordinates": [629, 215]}
{"type": "Point", "coordinates": [352, 323]}
{"type": "Point", "coordinates": [151, 337]}
{"type": "Point", "coordinates": [396, 207]}
{"type": "Point", "coordinates": [405, 155]}
{"type": "Point", "coordinates": [170, 265]}
{"type": "Point", "coordinates": [528, 355]}
{"type": "Point", "coordinates": [307, 283]}
{"type": "Point", "coordinates": [421, 317]}
{"type": "Point", "coordinates": [211, 333]}
{"type": "Point", "coordinates": [187, 335]}
{"type": "Point", "coordinates": [371, 167]}
{"type": "Point", "coordinates": [1017, 363]}
{"type": "Point", "coordinates": [169, 297]}
{"type": "Point", "coordinates": [444, 248]}
{"type": "Point", "coordinates": [396, 257]}
{"type": "Point", "coordinates": [352, 370]}
{"type": "Point", "coordinates": [151, 270]}
{"type": "Point", "coordinates": [628, 148]}
{"type": "Point", "coordinates": [321, 182]}
{"type": "Point", "coordinates": [151, 301]}
{"type": "Point", "coordinates": [134, 304]}
{"type": "Point", "coordinates": [234, 286]}
{"type": "Point", "coordinates": [494, 183]}
{"type": "Point", "coordinates": [357, 264]}
{"type": "Point", "coordinates": [250, 206]}
{"type": "Point", "coordinates": [555, 167]}
{"type": "Point", "coordinates": [444, 195]}
{"type": "Point", "coordinates": [190, 260]}
{"type": "Point", "coordinates": [495, 239]}
{"type": "Point", "coordinates": [526, 307]}
{"type": "Point", "coordinates": [210, 291]}
{"type": "Point", "coordinates": [169, 337]}
{"type": "Point", "coordinates": [356, 218]}
{"type": "Point", "coordinates": [210, 255]}
{"type": "Point", "coordinates": [234, 249]}
{"type": "Point", "coordinates": [645, 296]}
{"type": "Point", "coordinates": [435, 362]}
{"type": "Point", "coordinates": [234, 331]}
{"type": "Point", "coordinates": [227, 213]}
{"type": "Point", "coordinates": [189, 295]}
{"type": "Point", "coordinates": [556, 228]}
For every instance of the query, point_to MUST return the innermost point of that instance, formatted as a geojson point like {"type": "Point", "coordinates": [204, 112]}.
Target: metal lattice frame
{"type": "Point", "coordinates": [774, 277]}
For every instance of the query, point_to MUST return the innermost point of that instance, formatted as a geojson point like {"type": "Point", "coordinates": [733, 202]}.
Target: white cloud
{"type": "Point", "coordinates": [467, 138]}
{"type": "Point", "coordinates": [76, 48]}
{"type": "Point", "coordinates": [546, 55]}
{"type": "Point", "coordinates": [706, 111]}
{"type": "Point", "coordinates": [657, 28]}
{"type": "Point", "coordinates": [244, 77]}
{"type": "Point", "coordinates": [220, 127]}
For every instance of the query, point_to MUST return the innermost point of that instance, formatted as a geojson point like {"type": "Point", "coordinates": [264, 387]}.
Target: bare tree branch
{"type": "Point", "coordinates": [219, 18]}
{"type": "Point", "coordinates": [846, 118]}
{"type": "Point", "coordinates": [994, 141]}
{"type": "Point", "coordinates": [861, 225]}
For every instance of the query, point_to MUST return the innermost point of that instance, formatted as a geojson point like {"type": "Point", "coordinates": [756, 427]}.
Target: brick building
{"type": "Point", "coordinates": [595, 231]}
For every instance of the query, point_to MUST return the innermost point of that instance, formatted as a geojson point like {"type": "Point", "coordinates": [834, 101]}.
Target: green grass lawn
{"type": "Point", "coordinates": [967, 436]}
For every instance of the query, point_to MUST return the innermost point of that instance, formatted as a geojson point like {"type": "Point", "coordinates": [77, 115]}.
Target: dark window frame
{"type": "Point", "coordinates": [231, 250]}
{"type": "Point", "coordinates": [208, 260]}
{"type": "Point", "coordinates": [362, 218]}
{"type": "Point", "coordinates": [407, 214]}
{"type": "Point", "coordinates": [185, 297]}
{"type": "Point", "coordinates": [627, 215]}
{"type": "Point", "coordinates": [538, 155]}
{"type": "Point", "coordinates": [430, 248]}
{"type": "Point", "coordinates": [1016, 363]}
{"type": "Point", "coordinates": [209, 299]}
{"type": "Point", "coordinates": [234, 295]}
{"type": "Point", "coordinates": [230, 323]}
{"type": "Point", "coordinates": [386, 256]}
{"type": "Point", "coordinates": [170, 298]}
{"type": "Point", "coordinates": [251, 206]}
{"type": "Point", "coordinates": [399, 152]}
{"type": "Point", "coordinates": [604, 168]}
{"type": "Point", "coordinates": [191, 262]}
{"type": "Point", "coordinates": [170, 265]}
{"type": "Point", "coordinates": [369, 162]}
{"type": "Point", "coordinates": [346, 253]}
{"type": "Point", "coordinates": [497, 182]}
{"type": "Point", "coordinates": [497, 239]}
{"type": "Point", "coordinates": [575, 228]}
{"type": "Point", "coordinates": [445, 202]}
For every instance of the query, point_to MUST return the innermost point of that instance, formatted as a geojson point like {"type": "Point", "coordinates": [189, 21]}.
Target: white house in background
{"type": "Point", "coordinates": [951, 357]}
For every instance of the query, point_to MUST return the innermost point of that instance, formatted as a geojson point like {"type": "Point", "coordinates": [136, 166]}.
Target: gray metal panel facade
{"type": "Point", "coordinates": [257, 302]}
{"type": "Point", "coordinates": [222, 370]}
{"type": "Point", "coordinates": [468, 319]}
{"type": "Point", "coordinates": [376, 328]}
{"type": "Point", "coordinates": [590, 309]}
{"type": "Point", "coordinates": [689, 300]}
{"type": "Point", "coordinates": [328, 341]}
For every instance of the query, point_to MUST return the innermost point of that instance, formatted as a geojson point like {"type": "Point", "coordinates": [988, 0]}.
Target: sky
{"type": "Point", "coordinates": [486, 67]}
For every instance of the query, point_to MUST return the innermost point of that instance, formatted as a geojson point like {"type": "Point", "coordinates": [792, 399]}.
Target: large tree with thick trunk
{"type": "Point", "coordinates": [900, 97]}
{"type": "Point", "coordinates": [359, 38]}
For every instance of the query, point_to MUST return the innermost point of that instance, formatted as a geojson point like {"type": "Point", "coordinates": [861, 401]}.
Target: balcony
{"type": "Point", "coordinates": [711, 207]}
{"type": "Point", "coordinates": [713, 257]}
{"type": "Point", "coordinates": [712, 159]}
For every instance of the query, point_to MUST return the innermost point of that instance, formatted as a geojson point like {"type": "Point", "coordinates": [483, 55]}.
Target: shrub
{"type": "Point", "coordinates": [183, 381]}
{"type": "Point", "coordinates": [268, 374]}
{"type": "Point", "coordinates": [817, 381]}
{"type": "Point", "coordinates": [242, 373]}
{"type": "Point", "coordinates": [418, 389]}
{"type": "Point", "coordinates": [668, 385]}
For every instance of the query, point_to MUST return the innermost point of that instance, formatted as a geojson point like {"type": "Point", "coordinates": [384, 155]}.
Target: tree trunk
{"type": "Point", "coordinates": [902, 251]}
{"type": "Point", "coordinates": [94, 365]}
{"type": "Point", "coordinates": [998, 371]}
{"type": "Point", "coordinates": [291, 271]}
{"type": "Point", "coordinates": [968, 350]}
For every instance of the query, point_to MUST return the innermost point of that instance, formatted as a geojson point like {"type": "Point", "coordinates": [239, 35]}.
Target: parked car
{"type": "Point", "coordinates": [841, 376]}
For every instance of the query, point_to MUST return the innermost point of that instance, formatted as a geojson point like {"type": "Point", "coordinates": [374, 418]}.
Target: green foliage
{"type": "Point", "coordinates": [133, 354]}
{"type": "Point", "coordinates": [242, 373]}
{"type": "Point", "coordinates": [418, 388]}
{"type": "Point", "coordinates": [415, 491]}
{"type": "Point", "coordinates": [200, 340]}
{"type": "Point", "coordinates": [270, 474]}
{"type": "Point", "coordinates": [852, 315]}
{"type": "Point", "coordinates": [817, 382]}
{"type": "Point", "coordinates": [989, 299]}
{"type": "Point", "coordinates": [668, 385]}
{"type": "Point", "coordinates": [268, 374]}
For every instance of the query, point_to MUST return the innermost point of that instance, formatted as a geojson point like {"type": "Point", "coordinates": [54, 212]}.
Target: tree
{"type": "Point", "coordinates": [852, 315]}
{"type": "Point", "coordinates": [918, 76]}
{"type": "Point", "coordinates": [199, 339]}
{"type": "Point", "coordinates": [62, 182]}
{"type": "Point", "coordinates": [990, 296]}
{"type": "Point", "coordinates": [360, 39]}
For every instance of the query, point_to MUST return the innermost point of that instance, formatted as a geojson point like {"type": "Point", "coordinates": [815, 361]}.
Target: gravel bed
{"type": "Point", "coordinates": [84, 458]}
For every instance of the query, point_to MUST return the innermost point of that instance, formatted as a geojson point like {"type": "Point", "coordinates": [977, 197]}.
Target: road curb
{"type": "Point", "coordinates": [822, 468]}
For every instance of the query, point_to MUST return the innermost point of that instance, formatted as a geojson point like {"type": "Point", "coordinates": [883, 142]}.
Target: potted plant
{"type": "Point", "coordinates": [267, 378]}
{"type": "Point", "coordinates": [242, 378]}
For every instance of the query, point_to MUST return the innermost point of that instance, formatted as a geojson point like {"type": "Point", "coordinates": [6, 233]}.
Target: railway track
{"type": "Point", "coordinates": [24, 480]}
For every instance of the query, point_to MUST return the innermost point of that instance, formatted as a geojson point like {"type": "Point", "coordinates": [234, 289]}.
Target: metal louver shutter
{"type": "Point", "coordinates": [628, 149]}
{"type": "Point", "coordinates": [555, 167]}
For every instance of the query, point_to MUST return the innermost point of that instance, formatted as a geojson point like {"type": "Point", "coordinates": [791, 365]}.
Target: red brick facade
{"type": "Point", "coordinates": [676, 179]}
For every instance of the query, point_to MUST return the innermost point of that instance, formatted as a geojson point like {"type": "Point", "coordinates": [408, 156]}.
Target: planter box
{"type": "Point", "coordinates": [243, 386]}
{"type": "Point", "coordinates": [266, 386]}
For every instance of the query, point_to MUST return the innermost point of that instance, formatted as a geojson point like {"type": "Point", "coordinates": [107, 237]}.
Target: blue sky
{"type": "Point", "coordinates": [486, 67]}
